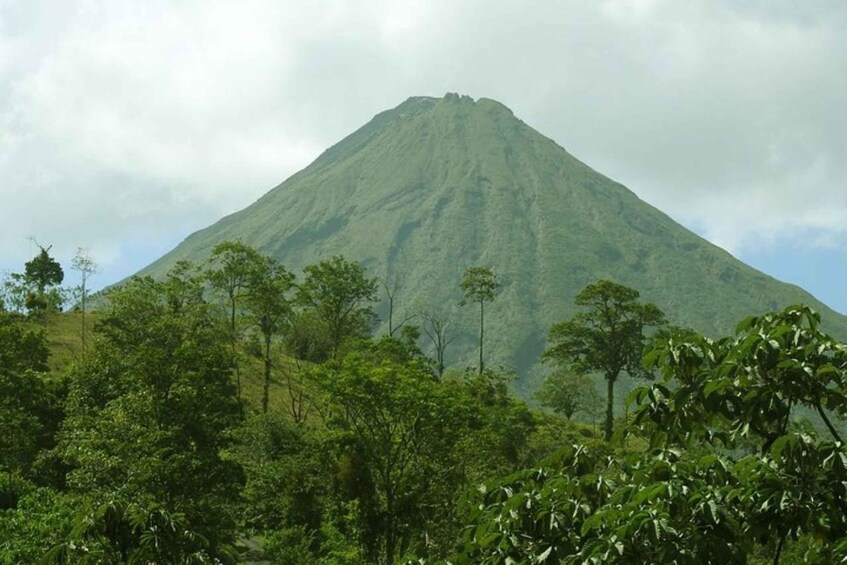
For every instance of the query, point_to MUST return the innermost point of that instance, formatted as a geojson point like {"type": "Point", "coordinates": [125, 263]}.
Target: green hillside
{"type": "Point", "coordinates": [435, 185]}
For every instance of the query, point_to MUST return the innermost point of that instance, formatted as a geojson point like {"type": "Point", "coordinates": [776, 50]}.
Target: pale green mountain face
{"type": "Point", "coordinates": [434, 186]}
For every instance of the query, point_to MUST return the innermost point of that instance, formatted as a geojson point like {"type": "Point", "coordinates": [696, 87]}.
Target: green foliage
{"type": "Point", "coordinates": [13, 293]}
{"type": "Point", "coordinates": [117, 532]}
{"type": "Point", "coordinates": [568, 392]}
{"type": "Point", "coordinates": [698, 495]}
{"type": "Point", "coordinates": [155, 462]}
{"type": "Point", "coordinates": [479, 285]}
{"type": "Point", "coordinates": [745, 387]}
{"type": "Point", "coordinates": [338, 294]}
{"type": "Point", "coordinates": [436, 184]}
{"type": "Point", "coordinates": [288, 470]}
{"type": "Point", "coordinates": [43, 271]}
{"type": "Point", "coordinates": [21, 348]}
{"type": "Point", "coordinates": [149, 408]}
{"type": "Point", "coordinates": [231, 267]}
{"type": "Point", "coordinates": [38, 523]}
{"type": "Point", "coordinates": [42, 275]}
{"type": "Point", "coordinates": [607, 338]}
{"type": "Point", "coordinates": [290, 545]}
{"type": "Point", "coordinates": [30, 407]}
{"type": "Point", "coordinates": [270, 307]}
{"type": "Point", "coordinates": [495, 427]}
{"type": "Point", "coordinates": [400, 424]}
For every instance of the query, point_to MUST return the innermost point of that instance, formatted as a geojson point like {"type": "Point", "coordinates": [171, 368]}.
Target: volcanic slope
{"type": "Point", "coordinates": [435, 185]}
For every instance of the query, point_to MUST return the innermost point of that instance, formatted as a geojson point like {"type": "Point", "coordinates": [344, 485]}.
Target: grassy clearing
{"type": "Point", "coordinates": [64, 339]}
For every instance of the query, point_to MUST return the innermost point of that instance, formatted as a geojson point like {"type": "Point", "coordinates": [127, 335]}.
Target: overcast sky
{"type": "Point", "coordinates": [125, 126]}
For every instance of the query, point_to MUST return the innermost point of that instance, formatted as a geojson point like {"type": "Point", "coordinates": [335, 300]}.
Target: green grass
{"type": "Point", "coordinates": [64, 337]}
{"type": "Point", "coordinates": [64, 340]}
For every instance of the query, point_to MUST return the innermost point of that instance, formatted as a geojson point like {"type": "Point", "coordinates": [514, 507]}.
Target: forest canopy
{"type": "Point", "coordinates": [234, 411]}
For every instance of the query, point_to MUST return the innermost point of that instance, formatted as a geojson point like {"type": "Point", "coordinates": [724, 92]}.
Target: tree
{"type": "Point", "coordinates": [31, 408]}
{"type": "Point", "coordinates": [726, 474]}
{"type": "Point", "coordinates": [567, 392]}
{"type": "Point", "coordinates": [339, 294]}
{"type": "Point", "coordinates": [270, 307]}
{"type": "Point", "coordinates": [232, 267]}
{"type": "Point", "coordinates": [84, 264]}
{"type": "Point", "coordinates": [739, 394]}
{"type": "Point", "coordinates": [480, 285]}
{"type": "Point", "coordinates": [436, 326]}
{"type": "Point", "coordinates": [150, 408]}
{"type": "Point", "coordinates": [44, 271]}
{"type": "Point", "coordinates": [608, 338]}
{"type": "Point", "coordinates": [42, 274]}
{"type": "Point", "coordinates": [403, 426]}
{"type": "Point", "coordinates": [288, 471]}
{"type": "Point", "coordinates": [391, 286]}
{"type": "Point", "coordinates": [15, 290]}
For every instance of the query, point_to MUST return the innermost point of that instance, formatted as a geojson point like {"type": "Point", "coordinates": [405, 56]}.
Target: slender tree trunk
{"type": "Point", "coordinates": [390, 539]}
{"type": "Point", "coordinates": [610, 404]}
{"type": "Point", "coordinates": [234, 344]}
{"type": "Point", "coordinates": [828, 424]}
{"type": "Point", "coordinates": [481, 332]}
{"type": "Point", "coordinates": [267, 383]}
{"type": "Point", "coordinates": [778, 553]}
{"type": "Point", "coordinates": [83, 316]}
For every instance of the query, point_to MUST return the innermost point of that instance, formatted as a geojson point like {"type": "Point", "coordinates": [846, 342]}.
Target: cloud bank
{"type": "Point", "coordinates": [125, 125]}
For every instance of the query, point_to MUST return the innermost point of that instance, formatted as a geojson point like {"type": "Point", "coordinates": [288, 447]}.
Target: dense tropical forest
{"type": "Point", "coordinates": [235, 411]}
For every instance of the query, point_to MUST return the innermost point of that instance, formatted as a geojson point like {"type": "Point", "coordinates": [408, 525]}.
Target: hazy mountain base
{"type": "Point", "coordinates": [434, 185]}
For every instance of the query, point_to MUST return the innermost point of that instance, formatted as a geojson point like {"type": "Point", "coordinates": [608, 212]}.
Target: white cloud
{"type": "Point", "coordinates": [122, 121]}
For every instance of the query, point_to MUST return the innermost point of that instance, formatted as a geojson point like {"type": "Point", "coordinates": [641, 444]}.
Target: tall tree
{"type": "Point", "coordinates": [608, 338]}
{"type": "Point", "coordinates": [84, 264]}
{"type": "Point", "coordinates": [231, 268]}
{"type": "Point", "coordinates": [150, 407]}
{"type": "Point", "coordinates": [402, 425]}
{"type": "Point", "coordinates": [25, 402]}
{"type": "Point", "coordinates": [392, 285]}
{"type": "Point", "coordinates": [480, 285]}
{"type": "Point", "coordinates": [435, 326]}
{"type": "Point", "coordinates": [339, 294]}
{"type": "Point", "coordinates": [43, 270]}
{"type": "Point", "coordinates": [42, 274]}
{"type": "Point", "coordinates": [271, 307]}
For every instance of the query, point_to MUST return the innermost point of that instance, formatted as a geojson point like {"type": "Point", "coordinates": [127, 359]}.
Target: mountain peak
{"type": "Point", "coordinates": [452, 99]}
{"type": "Point", "coordinates": [435, 185]}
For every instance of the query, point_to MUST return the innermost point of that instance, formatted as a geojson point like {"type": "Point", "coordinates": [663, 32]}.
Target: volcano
{"type": "Point", "coordinates": [435, 185]}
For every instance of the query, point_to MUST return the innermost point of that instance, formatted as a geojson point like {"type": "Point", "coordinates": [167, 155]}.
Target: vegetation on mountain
{"type": "Point", "coordinates": [231, 266]}
{"type": "Point", "coordinates": [726, 476]}
{"type": "Point", "coordinates": [567, 392]}
{"type": "Point", "coordinates": [436, 326]}
{"type": "Point", "coordinates": [608, 338]}
{"type": "Point", "coordinates": [436, 185]}
{"type": "Point", "coordinates": [42, 273]}
{"type": "Point", "coordinates": [142, 451]}
{"type": "Point", "coordinates": [84, 264]}
{"type": "Point", "coordinates": [37, 289]}
{"type": "Point", "coordinates": [338, 295]}
{"type": "Point", "coordinates": [269, 302]}
{"type": "Point", "coordinates": [479, 285]}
